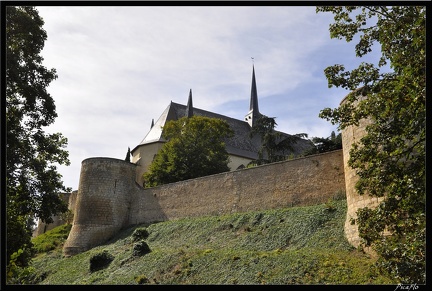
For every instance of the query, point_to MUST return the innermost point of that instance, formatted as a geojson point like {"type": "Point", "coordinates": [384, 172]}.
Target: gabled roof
{"type": "Point", "coordinates": [240, 144]}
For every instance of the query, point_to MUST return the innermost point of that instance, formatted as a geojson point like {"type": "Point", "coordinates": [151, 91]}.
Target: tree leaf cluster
{"type": "Point", "coordinates": [325, 144]}
{"type": "Point", "coordinates": [275, 146]}
{"type": "Point", "coordinates": [32, 155]}
{"type": "Point", "coordinates": [195, 147]}
{"type": "Point", "coordinates": [390, 158]}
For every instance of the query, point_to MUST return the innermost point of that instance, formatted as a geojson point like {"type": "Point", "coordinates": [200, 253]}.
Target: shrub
{"type": "Point", "coordinates": [140, 234]}
{"type": "Point", "coordinates": [16, 274]}
{"type": "Point", "coordinates": [142, 279]}
{"type": "Point", "coordinates": [100, 260]}
{"type": "Point", "coordinates": [330, 205]}
{"type": "Point", "coordinates": [141, 248]}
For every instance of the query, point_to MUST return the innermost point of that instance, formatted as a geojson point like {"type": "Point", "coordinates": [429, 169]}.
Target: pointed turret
{"type": "Point", "coordinates": [254, 113]}
{"type": "Point", "coordinates": [189, 107]}
{"type": "Point", "coordinates": [254, 95]}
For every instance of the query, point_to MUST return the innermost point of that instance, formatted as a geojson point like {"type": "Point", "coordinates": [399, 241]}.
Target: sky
{"type": "Point", "coordinates": [119, 67]}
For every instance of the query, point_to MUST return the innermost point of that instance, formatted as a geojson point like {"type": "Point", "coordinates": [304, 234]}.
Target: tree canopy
{"type": "Point", "coordinates": [195, 147]}
{"type": "Point", "coordinates": [275, 146]}
{"type": "Point", "coordinates": [32, 180]}
{"type": "Point", "coordinates": [128, 153]}
{"type": "Point", "coordinates": [325, 144]}
{"type": "Point", "coordinates": [390, 158]}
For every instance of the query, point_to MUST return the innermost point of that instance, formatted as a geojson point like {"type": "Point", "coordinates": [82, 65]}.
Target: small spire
{"type": "Point", "coordinates": [152, 124]}
{"type": "Point", "coordinates": [254, 95]}
{"type": "Point", "coordinates": [189, 107]}
{"type": "Point", "coordinates": [254, 113]}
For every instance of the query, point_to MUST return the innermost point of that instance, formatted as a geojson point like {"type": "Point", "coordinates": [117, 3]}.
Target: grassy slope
{"type": "Point", "coordinates": [299, 245]}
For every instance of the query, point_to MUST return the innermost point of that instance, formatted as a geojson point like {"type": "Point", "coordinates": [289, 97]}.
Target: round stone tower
{"type": "Point", "coordinates": [102, 203]}
{"type": "Point", "coordinates": [351, 135]}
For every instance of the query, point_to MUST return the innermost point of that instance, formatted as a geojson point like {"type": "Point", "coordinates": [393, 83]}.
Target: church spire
{"type": "Point", "coordinates": [254, 95]}
{"type": "Point", "coordinates": [189, 108]}
{"type": "Point", "coordinates": [254, 113]}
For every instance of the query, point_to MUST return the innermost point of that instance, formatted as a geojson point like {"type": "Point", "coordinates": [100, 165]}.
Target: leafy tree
{"type": "Point", "coordinates": [32, 180]}
{"type": "Point", "coordinates": [127, 159]}
{"type": "Point", "coordinates": [274, 145]}
{"type": "Point", "coordinates": [195, 148]}
{"type": "Point", "coordinates": [390, 158]}
{"type": "Point", "coordinates": [322, 145]}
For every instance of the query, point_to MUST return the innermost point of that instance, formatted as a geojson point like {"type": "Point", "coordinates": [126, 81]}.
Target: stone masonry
{"type": "Point", "coordinates": [109, 198]}
{"type": "Point", "coordinates": [350, 136]}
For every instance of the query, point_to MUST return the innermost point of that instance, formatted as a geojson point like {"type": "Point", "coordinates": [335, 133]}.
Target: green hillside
{"type": "Point", "coordinates": [299, 245]}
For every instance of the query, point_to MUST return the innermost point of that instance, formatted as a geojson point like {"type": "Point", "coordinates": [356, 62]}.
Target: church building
{"type": "Point", "coordinates": [242, 148]}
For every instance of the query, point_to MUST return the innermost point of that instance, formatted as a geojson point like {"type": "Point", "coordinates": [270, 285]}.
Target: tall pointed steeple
{"type": "Point", "coordinates": [254, 113]}
{"type": "Point", "coordinates": [189, 108]}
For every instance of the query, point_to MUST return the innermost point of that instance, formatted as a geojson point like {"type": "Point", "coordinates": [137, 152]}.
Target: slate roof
{"type": "Point", "coordinates": [240, 144]}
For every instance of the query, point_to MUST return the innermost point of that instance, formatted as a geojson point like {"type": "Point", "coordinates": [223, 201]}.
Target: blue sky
{"type": "Point", "coordinates": [120, 66]}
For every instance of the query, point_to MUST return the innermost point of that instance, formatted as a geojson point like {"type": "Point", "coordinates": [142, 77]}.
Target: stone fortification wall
{"type": "Point", "coordinates": [109, 198]}
{"type": "Point", "coordinates": [304, 181]}
{"type": "Point", "coordinates": [72, 201]}
{"type": "Point", "coordinates": [58, 220]}
{"type": "Point", "coordinates": [351, 135]}
{"type": "Point", "coordinates": [102, 203]}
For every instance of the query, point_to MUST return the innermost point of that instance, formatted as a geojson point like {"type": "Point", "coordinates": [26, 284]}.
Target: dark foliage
{"type": "Point", "coordinates": [100, 261]}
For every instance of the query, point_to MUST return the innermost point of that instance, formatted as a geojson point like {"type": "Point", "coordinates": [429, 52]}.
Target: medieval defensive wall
{"type": "Point", "coordinates": [109, 198]}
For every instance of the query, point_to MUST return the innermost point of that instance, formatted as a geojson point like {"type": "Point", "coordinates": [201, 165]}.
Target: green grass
{"type": "Point", "coordinates": [299, 245]}
{"type": "Point", "coordinates": [52, 239]}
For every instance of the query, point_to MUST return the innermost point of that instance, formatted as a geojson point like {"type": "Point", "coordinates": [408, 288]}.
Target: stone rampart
{"type": "Point", "coordinates": [109, 199]}
{"type": "Point", "coordinates": [102, 203]}
{"type": "Point", "coordinates": [352, 135]}
{"type": "Point", "coordinates": [58, 220]}
{"type": "Point", "coordinates": [304, 181]}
